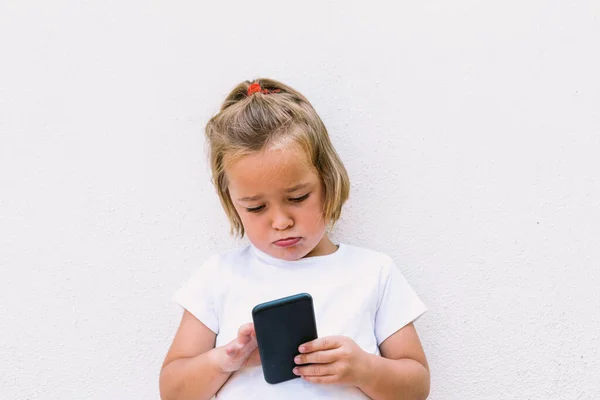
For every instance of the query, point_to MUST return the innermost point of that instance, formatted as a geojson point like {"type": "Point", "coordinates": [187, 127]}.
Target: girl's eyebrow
{"type": "Point", "coordinates": [250, 198]}
{"type": "Point", "coordinates": [290, 190]}
{"type": "Point", "coordinates": [297, 187]}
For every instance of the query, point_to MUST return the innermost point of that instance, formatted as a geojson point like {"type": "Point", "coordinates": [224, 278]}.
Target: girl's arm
{"type": "Point", "coordinates": [401, 372]}
{"type": "Point", "coordinates": [194, 368]}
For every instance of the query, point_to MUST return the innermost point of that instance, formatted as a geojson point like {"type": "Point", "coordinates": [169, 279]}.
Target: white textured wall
{"type": "Point", "coordinates": [471, 131]}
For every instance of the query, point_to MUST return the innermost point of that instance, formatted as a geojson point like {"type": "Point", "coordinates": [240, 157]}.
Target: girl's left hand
{"type": "Point", "coordinates": [334, 359]}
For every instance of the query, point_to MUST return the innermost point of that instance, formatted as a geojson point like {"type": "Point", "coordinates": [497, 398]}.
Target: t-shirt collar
{"type": "Point", "coordinates": [268, 259]}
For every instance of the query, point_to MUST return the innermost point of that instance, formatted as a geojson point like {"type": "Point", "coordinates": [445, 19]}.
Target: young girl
{"type": "Point", "coordinates": [282, 184]}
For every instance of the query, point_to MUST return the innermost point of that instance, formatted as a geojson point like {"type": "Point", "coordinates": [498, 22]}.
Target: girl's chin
{"type": "Point", "coordinates": [292, 253]}
{"type": "Point", "coordinates": [289, 254]}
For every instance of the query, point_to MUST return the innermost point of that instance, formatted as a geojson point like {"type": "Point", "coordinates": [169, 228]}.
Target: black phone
{"type": "Point", "coordinates": [281, 326]}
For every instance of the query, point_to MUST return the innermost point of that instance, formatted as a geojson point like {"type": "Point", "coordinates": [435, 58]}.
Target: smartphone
{"type": "Point", "coordinates": [281, 326]}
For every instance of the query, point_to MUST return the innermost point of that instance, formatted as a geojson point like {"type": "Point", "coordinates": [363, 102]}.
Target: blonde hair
{"type": "Point", "coordinates": [251, 123]}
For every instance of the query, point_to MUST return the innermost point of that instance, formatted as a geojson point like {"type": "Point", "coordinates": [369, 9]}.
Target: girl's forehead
{"type": "Point", "coordinates": [277, 168]}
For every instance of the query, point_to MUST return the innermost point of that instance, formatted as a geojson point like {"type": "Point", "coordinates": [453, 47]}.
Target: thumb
{"type": "Point", "coordinates": [246, 333]}
{"type": "Point", "coordinates": [246, 329]}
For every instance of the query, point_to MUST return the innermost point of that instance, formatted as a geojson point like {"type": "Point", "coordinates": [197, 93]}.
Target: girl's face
{"type": "Point", "coordinates": [279, 197]}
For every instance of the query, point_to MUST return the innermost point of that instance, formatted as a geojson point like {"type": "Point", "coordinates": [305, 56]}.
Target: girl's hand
{"type": "Point", "coordinates": [334, 359]}
{"type": "Point", "coordinates": [241, 351]}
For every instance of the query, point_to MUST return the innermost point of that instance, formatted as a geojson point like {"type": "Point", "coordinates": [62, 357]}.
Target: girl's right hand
{"type": "Point", "coordinates": [241, 351]}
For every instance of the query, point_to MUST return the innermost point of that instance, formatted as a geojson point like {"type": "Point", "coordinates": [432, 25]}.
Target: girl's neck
{"type": "Point", "coordinates": [323, 248]}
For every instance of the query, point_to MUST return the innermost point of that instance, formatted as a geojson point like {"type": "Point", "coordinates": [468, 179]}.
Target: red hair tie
{"type": "Point", "coordinates": [255, 88]}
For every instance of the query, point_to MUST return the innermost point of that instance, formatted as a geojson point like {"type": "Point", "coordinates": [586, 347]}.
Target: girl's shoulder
{"type": "Point", "coordinates": [362, 255]}
{"type": "Point", "coordinates": [233, 256]}
{"type": "Point", "coordinates": [223, 262]}
{"type": "Point", "coordinates": [369, 262]}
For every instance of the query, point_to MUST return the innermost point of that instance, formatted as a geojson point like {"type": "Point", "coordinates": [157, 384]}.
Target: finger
{"type": "Point", "coordinates": [323, 380]}
{"type": "Point", "coordinates": [244, 339]}
{"type": "Point", "coordinates": [317, 357]}
{"type": "Point", "coordinates": [314, 370]}
{"type": "Point", "coordinates": [326, 343]}
{"type": "Point", "coordinates": [236, 348]}
{"type": "Point", "coordinates": [249, 343]}
{"type": "Point", "coordinates": [253, 358]}
{"type": "Point", "coordinates": [246, 330]}
{"type": "Point", "coordinates": [246, 333]}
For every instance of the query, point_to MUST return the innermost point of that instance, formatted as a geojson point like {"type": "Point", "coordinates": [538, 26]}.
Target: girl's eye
{"type": "Point", "coordinates": [255, 209]}
{"type": "Point", "coordinates": [300, 199]}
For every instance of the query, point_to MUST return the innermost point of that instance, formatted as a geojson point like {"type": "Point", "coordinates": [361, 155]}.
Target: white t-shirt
{"type": "Point", "coordinates": [356, 292]}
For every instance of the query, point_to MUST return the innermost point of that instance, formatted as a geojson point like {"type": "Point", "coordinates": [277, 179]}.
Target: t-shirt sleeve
{"type": "Point", "coordinates": [198, 294]}
{"type": "Point", "coordinates": [399, 305]}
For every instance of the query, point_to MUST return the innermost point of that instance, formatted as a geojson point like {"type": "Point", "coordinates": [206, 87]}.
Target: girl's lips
{"type": "Point", "coordinates": [287, 242]}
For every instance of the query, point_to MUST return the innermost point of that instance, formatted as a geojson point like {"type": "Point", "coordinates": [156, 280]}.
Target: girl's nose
{"type": "Point", "coordinates": [282, 221]}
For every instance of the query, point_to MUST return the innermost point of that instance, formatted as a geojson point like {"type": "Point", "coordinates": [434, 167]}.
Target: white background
{"type": "Point", "coordinates": [470, 129]}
